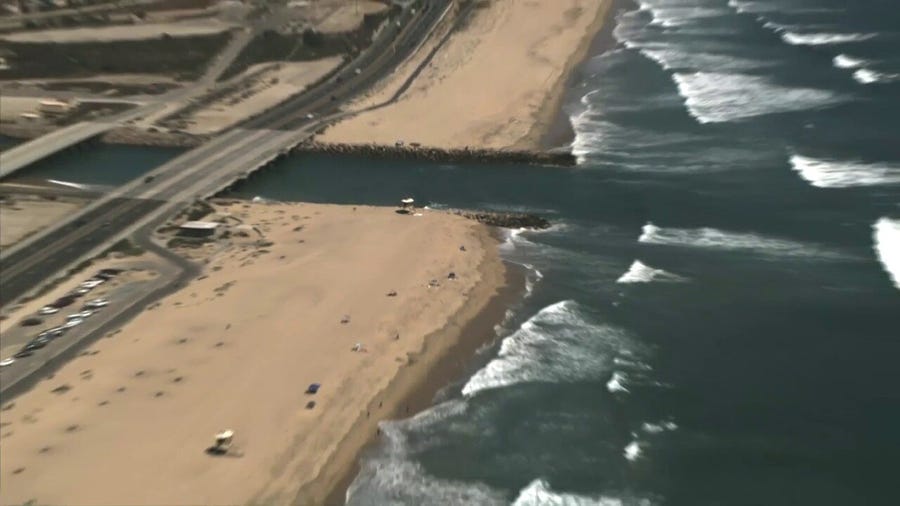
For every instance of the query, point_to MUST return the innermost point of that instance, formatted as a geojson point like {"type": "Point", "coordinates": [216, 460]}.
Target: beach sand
{"type": "Point", "coordinates": [236, 349]}
{"type": "Point", "coordinates": [496, 83]}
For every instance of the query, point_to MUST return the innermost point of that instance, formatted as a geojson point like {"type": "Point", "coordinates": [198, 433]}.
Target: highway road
{"type": "Point", "coordinates": [210, 167]}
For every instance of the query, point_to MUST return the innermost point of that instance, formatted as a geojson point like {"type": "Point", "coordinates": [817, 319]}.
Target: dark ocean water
{"type": "Point", "coordinates": [714, 318]}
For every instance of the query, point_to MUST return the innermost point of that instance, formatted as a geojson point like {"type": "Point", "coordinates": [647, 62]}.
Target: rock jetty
{"type": "Point", "coordinates": [505, 220]}
{"type": "Point", "coordinates": [414, 151]}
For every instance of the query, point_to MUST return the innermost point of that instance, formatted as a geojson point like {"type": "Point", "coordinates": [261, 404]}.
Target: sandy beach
{"type": "Point", "coordinates": [276, 308]}
{"type": "Point", "coordinates": [496, 83]}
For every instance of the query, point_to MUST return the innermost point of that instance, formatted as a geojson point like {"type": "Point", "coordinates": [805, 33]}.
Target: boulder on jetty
{"type": "Point", "coordinates": [505, 220]}
{"type": "Point", "coordinates": [414, 151]}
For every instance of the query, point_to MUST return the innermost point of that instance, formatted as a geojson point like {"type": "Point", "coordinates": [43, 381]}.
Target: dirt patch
{"type": "Point", "coordinates": [183, 57]}
{"type": "Point", "coordinates": [272, 46]}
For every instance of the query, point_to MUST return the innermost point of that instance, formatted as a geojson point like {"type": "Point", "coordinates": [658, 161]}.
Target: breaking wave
{"type": "Point", "coordinates": [842, 174]}
{"type": "Point", "coordinates": [886, 236]}
{"type": "Point", "coordinates": [719, 239]}
{"type": "Point", "coordinates": [869, 76]}
{"type": "Point", "coordinates": [539, 493]}
{"type": "Point", "coordinates": [843, 61]}
{"type": "Point", "coordinates": [392, 476]}
{"type": "Point", "coordinates": [657, 428]}
{"type": "Point", "coordinates": [558, 344]}
{"type": "Point", "coordinates": [819, 39]}
{"type": "Point", "coordinates": [642, 273]}
{"type": "Point", "coordinates": [713, 97]}
{"type": "Point", "coordinates": [633, 451]}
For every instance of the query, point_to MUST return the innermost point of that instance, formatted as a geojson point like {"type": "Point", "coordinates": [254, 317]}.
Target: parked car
{"type": "Point", "coordinates": [48, 310]}
{"type": "Point", "coordinates": [64, 301]}
{"type": "Point", "coordinates": [53, 333]}
{"type": "Point", "coordinates": [36, 344]}
{"type": "Point", "coordinates": [92, 283]}
{"type": "Point", "coordinates": [73, 323]}
{"type": "Point", "coordinates": [96, 303]}
{"type": "Point", "coordinates": [109, 272]}
{"type": "Point", "coordinates": [81, 314]}
{"type": "Point", "coordinates": [23, 353]}
{"type": "Point", "coordinates": [7, 361]}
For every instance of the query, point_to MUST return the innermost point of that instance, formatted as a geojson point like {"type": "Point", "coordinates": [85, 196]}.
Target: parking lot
{"type": "Point", "coordinates": [68, 315]}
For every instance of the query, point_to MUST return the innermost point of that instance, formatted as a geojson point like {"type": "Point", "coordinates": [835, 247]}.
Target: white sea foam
{"type": "Point", "coordinates": [672, 58]}
{"type": "Point", "coordinates": [642, 273]}
{"type": "Point", "coordinates": [825, 173]}
{"type": "Point", "coordinates": [718, 239]}
{"type": "Point", "coordinates": [869, 76]}
{"type": "Point", "coordinates": [713, 97]}
{"type": "Point", "coordinates": [558, 344]}
{"type": "Point", "coordinates": [886, 236]}
{"type": "Point", "coordinates": [617, 383]}
{"type": "Point", "coordinates": [819, 39]}
{"type": "Point", "coordinates": [392, 476]}
{"type": "Point", "coordinates": [658, 428]}
{"type": "Point", "coordinates": [843, 61]}
{"type": "Point", "coordinates": [539, 493]}
{"type": "Point", "coordinates": [681, 15]}
{"type": "Point", "coordinates": [633, 451]}
{"type": "Point", "coordinates": [744, 6]}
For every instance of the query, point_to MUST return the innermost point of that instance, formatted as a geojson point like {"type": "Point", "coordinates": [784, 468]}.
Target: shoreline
{"type": "Point", "coordinates": [560, 134]}
{"type": "Point", "coordinates": [549, 113]}
{"type": "Point", "coordinates": [472, 326]}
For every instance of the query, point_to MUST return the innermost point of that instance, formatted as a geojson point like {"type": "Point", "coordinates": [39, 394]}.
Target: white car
{"type": "Point", "coordinates": [6, 361]}
{"type": "Point", "coordinates": [81, 314]}
{"type": "Point", "coordinates": [97, 303]}
{"type": "Point", "coordinates": [73, 322]}
{"type": "Point", "coordinates": [92, 283]}
{"type": "Point", "coordinates": [46, 310]}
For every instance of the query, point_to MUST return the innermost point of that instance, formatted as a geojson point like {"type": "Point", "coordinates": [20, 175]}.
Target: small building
{"type": "Point", "coordinates": [197, 228]}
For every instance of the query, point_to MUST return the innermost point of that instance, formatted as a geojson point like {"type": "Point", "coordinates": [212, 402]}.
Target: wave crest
{"type": "Point", "coordinates": [824, 173]}
{"type": "Point", "coordinates": [886, 236]}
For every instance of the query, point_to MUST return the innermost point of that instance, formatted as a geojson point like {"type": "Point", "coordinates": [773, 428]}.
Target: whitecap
{"type": "Point", "coordinates": [633, 451]}
{"type": "Point", "coordinates": [724, 240]}
{"type": "Point", "coordinates": [843, 61]}
{"type": "Point", "coordinates": [886, 237]}
{"type": "Point", "coordinates": [713, 97]}
{"type": "Point", "coordinates": [869, 76]}
{"type": "Point", "coordinates": [824, 173]}
{"type": "Point", "coordinates": [642, 273]}
{"type": "Point", "coordinates": [658, 428]}
{"type": "Point", "coordinates": [558, 344]}
{"type": "Point", "coordinates": [539, 493]}
{"type": "Point", "coordinates": [616, 383]}
{"type": "Point", "coordinates": [818, 39]}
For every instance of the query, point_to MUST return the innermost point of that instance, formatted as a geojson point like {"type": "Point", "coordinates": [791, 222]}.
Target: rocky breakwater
{"type": "Point", "coordinates": [505, 220]}
{"type": "Point", "coordinates": [414, 151]}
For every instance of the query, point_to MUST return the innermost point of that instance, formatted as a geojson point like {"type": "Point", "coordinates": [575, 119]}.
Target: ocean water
{"type": "Point", "coordinates": [714, 318]}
